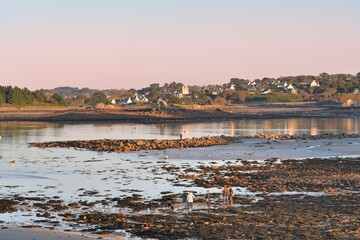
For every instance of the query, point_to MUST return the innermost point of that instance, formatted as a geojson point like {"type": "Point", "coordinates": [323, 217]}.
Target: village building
{"type": "Point", "coordinates": [314, 84]}
{"type": "Point", "coordinates": [178, 95]}
{"type": "Point", "coordinates": [184, 90]}
{"type": "Point", "coordinates": [290, 89]}
{"type": "Point", "coordinates": [230, 86]}
{"type": "Point", "coordinates": [135, 99]}
{"type": "Point", "coordinates": [143, 98]}
{"type": "Point", "coordinates": [126, 101]}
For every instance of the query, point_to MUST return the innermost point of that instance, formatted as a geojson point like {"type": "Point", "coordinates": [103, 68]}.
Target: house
{"type": "Point", "coordinates": [178, 95]}
{"type": "Point", "coordinates": [139, 98]}
{"type": "Point", "coordinates": [184, 90]}
{"type": "Point", "coordinates": [126, 101]}
{"type": "Point", "coordinates": [230, 86]}
{"type": "Point", "coordinates": [143, 98]}
{"type": "Point", "coordinates": [214, 90]}
{"type": "Point", "coordinates": [113, 101]}
{"type": "Point", "coordinates": [135, 99]}
{"type": "Point", "coordinates": [290, 87]}
{"type": "Point", "coordinates": [314, 84]}
{"type": "Point", "coordinates": [355, 91]}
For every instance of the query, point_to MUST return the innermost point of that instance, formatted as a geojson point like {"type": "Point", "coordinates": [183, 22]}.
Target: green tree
{"type": "Point", "coordinates": [171, 99]}
{"type": "Point", "coordinates": [40, 96]}
{"type": "Point", "coordinates": [57, 99]}
{"type": "Point", "coordinates": [16, 97]}
{"type": "Point", "coordinates": [98, 97]}
{"type": "Point", "coordinates": [28, 96]}
{"type": "Point", "coordinates": [2, 95]}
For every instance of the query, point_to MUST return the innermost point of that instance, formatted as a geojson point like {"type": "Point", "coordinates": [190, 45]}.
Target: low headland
{"type": "Point", "coordinates": [197, 113]}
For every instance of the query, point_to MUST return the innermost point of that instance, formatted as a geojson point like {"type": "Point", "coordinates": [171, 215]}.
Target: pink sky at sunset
{"type": "Point", "coordinates": [131, 44]}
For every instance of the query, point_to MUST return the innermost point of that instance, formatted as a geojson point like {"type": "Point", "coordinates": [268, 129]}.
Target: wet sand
{"type": "Point", "coordinates": [37, 234]}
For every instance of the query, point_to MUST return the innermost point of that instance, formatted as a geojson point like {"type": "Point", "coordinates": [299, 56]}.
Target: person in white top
{"type": "Point", "coordinates": [190, 200]}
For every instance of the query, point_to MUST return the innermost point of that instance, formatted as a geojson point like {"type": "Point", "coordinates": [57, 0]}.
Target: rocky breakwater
{"type": "Point", "coordinates": [111, 145]}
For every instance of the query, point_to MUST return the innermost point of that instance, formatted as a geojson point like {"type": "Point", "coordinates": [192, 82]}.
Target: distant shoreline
{"type": "Point", "coordinates": [177, 114]}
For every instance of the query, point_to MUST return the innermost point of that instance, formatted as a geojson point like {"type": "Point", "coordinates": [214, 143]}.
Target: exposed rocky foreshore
{"type": "Point", "coordinates": [323, 204]}
{"type": "Point", "coordinates": [112, 145]}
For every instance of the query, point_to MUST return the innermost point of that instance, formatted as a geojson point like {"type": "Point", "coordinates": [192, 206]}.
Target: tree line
{"type": "Point", "coordinates": [22, 96]}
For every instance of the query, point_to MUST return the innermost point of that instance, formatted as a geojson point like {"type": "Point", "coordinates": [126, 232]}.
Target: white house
{"type": "Point", "coordinates": [126, 101]}
{"type": "Point", "coordinates": [230, 86]}
{"type": "Point", "coordinates": [184, 90]}
{"type": "Point", "coordinates": [113, 101]}
{"type": "Point", "coordinates": [135, 99]}
{"type": "Point", "coordinates": [178, 95]}
{"type": "Point", "coordinates": [314, 84]}
{"type": "Point", "coordinates": [290, 87]}
{"type": "Point", "coordinates": [142, 98]}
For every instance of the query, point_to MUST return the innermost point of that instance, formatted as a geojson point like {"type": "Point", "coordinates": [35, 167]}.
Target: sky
{"type": "Point", "coordinates": [125, 44]}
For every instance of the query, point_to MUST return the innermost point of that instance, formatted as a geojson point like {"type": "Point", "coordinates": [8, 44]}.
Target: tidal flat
{"type": "Point", "coordinates": [296, 188]}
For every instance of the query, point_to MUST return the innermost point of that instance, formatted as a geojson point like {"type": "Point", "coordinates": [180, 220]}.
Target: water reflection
{"type": "Point", "coordinates": [40, 131]}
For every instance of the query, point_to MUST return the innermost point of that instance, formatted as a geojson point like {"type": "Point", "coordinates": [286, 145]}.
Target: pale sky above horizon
{"type": "Point", "coordinates": [118, 44]}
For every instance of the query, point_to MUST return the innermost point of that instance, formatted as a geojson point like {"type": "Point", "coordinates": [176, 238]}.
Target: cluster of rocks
{"type": "Point", "coordinates": [110, 145]}
{"type": "Point", "coordinates": [7, 205]}
{"type": "Point", "coordinates": [113, 145]}
{"type": "Point", "coordinates": [310, 175]}
{"type": "Point", "coordinates": [305, 136]}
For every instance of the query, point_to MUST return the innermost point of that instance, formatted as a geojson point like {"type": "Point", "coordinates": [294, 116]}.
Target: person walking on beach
{"type": "Point", "coordinates": [231, 194]}
{"type": "Point", "coordinates": [190, 201]}
{"type": "Point", "coordinates": [226, 193]}
{"type": "Point", "coordinates": [207, 198]}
